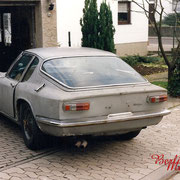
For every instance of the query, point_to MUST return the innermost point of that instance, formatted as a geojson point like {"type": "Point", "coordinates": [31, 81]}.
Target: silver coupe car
{"type": "Point", "coordinates": [78, 91]}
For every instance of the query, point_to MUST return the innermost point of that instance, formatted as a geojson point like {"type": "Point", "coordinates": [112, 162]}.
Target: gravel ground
{"type": "Point", "coordinates": [157, 77]}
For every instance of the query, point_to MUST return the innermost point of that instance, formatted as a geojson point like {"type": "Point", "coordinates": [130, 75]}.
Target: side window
{"type": "Point", "coordinates": [31, 69]}
{"type": "Point", "coordinates": [19, 67]}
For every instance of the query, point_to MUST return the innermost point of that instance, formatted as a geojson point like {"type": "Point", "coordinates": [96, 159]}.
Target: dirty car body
{"type": "Point", "coordinates": [78, 91]}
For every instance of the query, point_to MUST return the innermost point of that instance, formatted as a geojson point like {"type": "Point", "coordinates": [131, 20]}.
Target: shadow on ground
{"type": "Point", "coordinates": [13, 149]}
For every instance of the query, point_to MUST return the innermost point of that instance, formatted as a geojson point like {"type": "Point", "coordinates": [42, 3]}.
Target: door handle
{"type": "Point", "coordinates": [12, 85]}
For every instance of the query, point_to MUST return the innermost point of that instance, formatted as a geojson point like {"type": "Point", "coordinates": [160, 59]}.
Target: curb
{"type": "Point", "coordinates": [173, 102]}
{"type": "Point", "coordinates": [160, 174]}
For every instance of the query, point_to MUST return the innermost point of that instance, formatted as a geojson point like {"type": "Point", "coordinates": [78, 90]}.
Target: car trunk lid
{"type": "Point", "coordinates": [112, 101]}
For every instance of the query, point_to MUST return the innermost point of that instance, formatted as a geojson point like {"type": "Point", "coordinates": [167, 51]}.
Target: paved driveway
{"type": "Point", "coordinates": [105, 158]}
{"type": "Point", "coordinates": [12, 148]}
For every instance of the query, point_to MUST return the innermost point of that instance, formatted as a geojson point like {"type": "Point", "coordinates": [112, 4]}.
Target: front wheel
{"type": "Point", "coordinates": [32, 135]}
{"type": "Point", "coordinates": [129, 136]}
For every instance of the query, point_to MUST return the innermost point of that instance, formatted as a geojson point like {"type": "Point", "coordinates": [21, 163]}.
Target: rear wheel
{"type": "Point", "coordinates": [129, 136]}
{"type": "Point", "coordinates": [32, 135]}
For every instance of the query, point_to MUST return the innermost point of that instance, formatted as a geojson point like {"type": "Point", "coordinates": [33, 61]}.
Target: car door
{"type": "Point", "coordinates": [9, 82]}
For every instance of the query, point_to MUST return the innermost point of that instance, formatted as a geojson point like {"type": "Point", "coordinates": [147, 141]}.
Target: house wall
{"type": "Point", "coordinates": [48, 24]}
{"type": "Point", "coordinates": [129, 39]}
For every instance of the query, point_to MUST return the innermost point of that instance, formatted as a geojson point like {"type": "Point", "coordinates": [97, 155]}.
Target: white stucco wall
{"type": "Point", "coordinates": [69, 13]}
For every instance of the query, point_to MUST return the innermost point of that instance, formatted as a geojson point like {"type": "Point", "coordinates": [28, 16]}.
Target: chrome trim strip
{"type": "Point", "coordinates": [39, 88]}
{"type": "Point", "coordinates": [58, 123]}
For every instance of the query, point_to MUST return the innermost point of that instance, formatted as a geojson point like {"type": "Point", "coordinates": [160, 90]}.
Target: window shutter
{"type": "Point", "coordinates": [123, 7]}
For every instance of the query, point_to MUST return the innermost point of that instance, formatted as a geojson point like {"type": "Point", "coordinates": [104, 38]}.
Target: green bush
{"type": "Point", "coordinates": [145, 59]}
{"type": "Point", "coordinates": [90, 24]}
{"type": "Point", "coordinates": [174, 81]}
{"type": "Point", "coordinates": [106, 28]}
{"type": "Point", "coordinates": [170, 19]}
{"type": "Point", "coordinates": [97, 27]}
{"type": "Point", "coordinates": [131, 60]}
{"type": "Point", "coordinates": [134, 60]}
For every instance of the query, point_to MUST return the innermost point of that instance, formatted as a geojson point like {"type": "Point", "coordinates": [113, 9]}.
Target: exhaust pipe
{"type": "Point", "coordinates": [84, 144]}
{"type": "Point", "coordinates": [81, 144]}
{"type": "Point", "coordinates": [78, 144]}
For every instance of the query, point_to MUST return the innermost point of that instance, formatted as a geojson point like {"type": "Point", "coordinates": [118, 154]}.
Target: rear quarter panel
{"type": "Point", "coordinates": [45, 102]}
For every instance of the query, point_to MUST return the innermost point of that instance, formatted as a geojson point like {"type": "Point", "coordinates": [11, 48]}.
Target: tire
{"type": "Point", "coordinates": [34, 139]}
{"type": "Point", "coordinates": [129, 136]}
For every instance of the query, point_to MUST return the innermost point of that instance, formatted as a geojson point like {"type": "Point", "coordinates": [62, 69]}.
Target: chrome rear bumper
{"type": "Point", "coordinates": [125, 122]}
{"type": "Point", "coordinates": [115, 119]}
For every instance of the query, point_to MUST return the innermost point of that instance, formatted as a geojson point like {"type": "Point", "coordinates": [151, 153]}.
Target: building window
{"type": "Point", "coordinates": [124, 12]}
{"type": "Point", "coordinates": [151, 12]}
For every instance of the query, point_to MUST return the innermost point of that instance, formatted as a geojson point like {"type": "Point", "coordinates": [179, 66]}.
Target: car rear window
{"type": "Point", "coordinates": [78, 72]}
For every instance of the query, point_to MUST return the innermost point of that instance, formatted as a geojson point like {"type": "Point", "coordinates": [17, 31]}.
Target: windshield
{"type": "Point", "coordinates": [80, 72]}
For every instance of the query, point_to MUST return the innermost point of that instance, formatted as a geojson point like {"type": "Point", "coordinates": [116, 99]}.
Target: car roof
{"type": "Point", "coordinates": [59, 52]}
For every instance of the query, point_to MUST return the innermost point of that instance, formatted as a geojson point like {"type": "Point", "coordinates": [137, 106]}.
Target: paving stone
{"type": "Point", "coordinates": [15, 178]}
{"type": "Point", "coordinates": [57, 165]}
{"type": "Point", "coordinates": [43, 178]}
{"type": "Point", "coordinates": [58, 178]}
{"type": "Point", "coordinates": [57, 173]}
{"type": "Point", "coordinates": [14, 170]}
{"type": "Point", "coordinates": [31, 174]}
{"type": "Point", "coordinates": [4, 176]}
{"type": "Point", "coordinates": [83, 172]}
{"type": "Point", "coordinates": [44, 169]}
{"type": "Point", "coordinates": [176, 177]}
{"type": "Point", "coordinates": [28, 165]}
{"type": "Point", "coordinates": [136, 176]}
{"type": "Point", "coordinates": [22, 176]}
{"type": "Point", "coordinates": [145, 171]}
{"type": "Point", "coordinates": [71, 177]}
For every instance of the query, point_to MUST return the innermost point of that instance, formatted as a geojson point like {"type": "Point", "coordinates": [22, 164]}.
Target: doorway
{"type": "Point", "coordinates": [17, 32]}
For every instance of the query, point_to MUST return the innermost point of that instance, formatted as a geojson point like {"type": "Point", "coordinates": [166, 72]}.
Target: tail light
{"type": "Point", "coordinates": [157, 99]}
{"type": "Point", "coordinates": [76, 106]}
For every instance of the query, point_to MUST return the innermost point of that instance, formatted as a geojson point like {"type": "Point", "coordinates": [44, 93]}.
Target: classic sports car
{"type": "Point", "coordinates": [78, 91]}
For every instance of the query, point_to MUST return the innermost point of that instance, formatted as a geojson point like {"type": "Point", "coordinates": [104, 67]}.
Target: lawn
{"type": "Point", "coordinates": [163, 84]}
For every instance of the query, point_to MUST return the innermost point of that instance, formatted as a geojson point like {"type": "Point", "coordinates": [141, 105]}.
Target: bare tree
{"type": "Point", "coordinates": [156, 18]}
